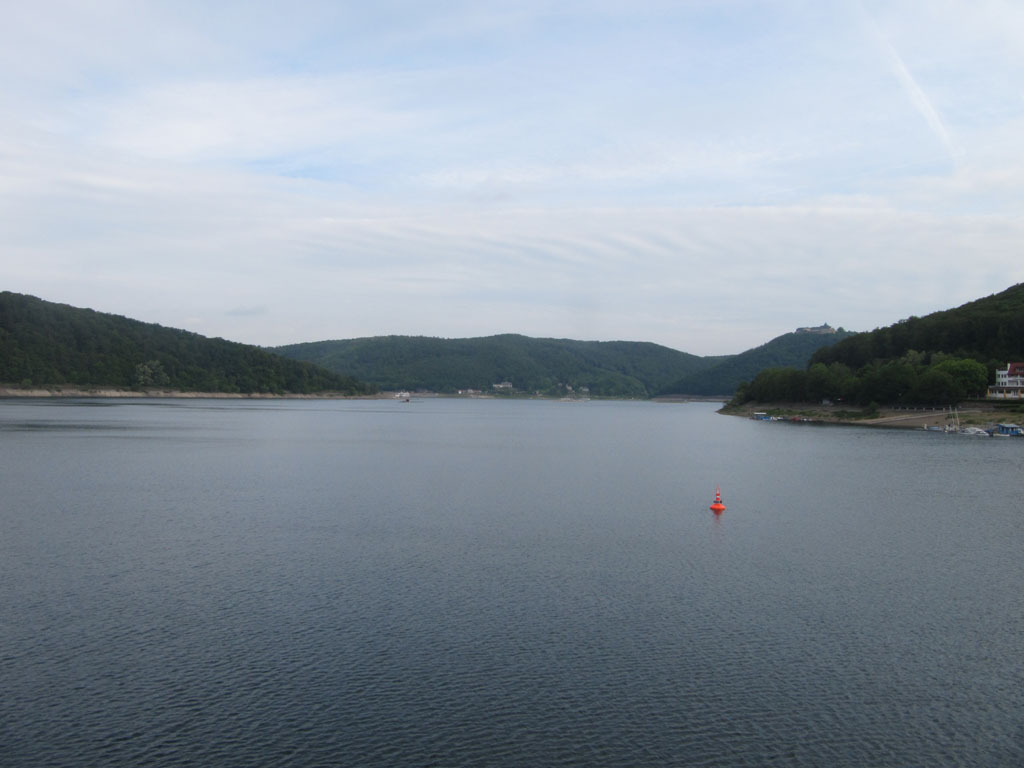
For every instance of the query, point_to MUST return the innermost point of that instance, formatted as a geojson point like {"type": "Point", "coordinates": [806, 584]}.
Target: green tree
{"type": "Point", "coordinates": [819, 382]}
{"type": "Point", "coordinates": [969, 376]}
{"type": "Point", "coordinates": [151, 374]}
{"type": "Point", "coordinates": [938, 387]}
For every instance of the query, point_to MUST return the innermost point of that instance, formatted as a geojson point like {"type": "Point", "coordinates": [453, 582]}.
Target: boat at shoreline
{"type": "Point", "coordinates": [1006, 430]}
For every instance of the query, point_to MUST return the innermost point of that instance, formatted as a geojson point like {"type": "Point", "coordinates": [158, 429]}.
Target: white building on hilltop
{"type": "Point", "coordinates": [819, 329]}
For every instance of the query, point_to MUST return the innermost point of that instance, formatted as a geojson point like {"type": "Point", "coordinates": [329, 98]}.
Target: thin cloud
{"type": "Point", "coordinates": [918, 98]}
{"type": "Point", "coordinates": [247, 311]}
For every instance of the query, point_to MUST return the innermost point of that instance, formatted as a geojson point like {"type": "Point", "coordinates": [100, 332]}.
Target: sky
{"type": "Point", "coordinates": [703, 174]}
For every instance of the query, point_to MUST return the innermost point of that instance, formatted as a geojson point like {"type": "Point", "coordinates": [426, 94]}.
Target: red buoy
{"type": "Point", "coordinates": [717, 506]}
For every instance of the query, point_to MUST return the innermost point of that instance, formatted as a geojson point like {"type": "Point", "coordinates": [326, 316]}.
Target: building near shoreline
{"type": "Point", "coordinates": [1009, 383]}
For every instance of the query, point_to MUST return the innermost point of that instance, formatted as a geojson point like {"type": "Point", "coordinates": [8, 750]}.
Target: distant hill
{"type": "Point", "coordinates": [789, 350]}
{"type": "Point", "coordinates": [43, 344]}
{"type": "Point", "coordinates": [605, 368]}
{"type": "Point", "coordinates": [941, 358]}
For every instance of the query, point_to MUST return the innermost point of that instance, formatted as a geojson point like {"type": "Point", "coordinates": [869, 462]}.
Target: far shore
{"type": "Point", "coordinates": [973, 414]}
{"type": "Point", "coordinates": [113, 392]}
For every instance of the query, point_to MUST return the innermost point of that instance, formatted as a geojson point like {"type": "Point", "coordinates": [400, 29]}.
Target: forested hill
{"type": "Point", "coordinates": [790, 349]}
{"type": "Point", "coordinates": [605, 368]}
{"type": "Point", "coordinates": [44, 344]}
{"type": "Point", "coordinates": [989, 330]}
{"type": "Point", "coordinates": [941, 358]}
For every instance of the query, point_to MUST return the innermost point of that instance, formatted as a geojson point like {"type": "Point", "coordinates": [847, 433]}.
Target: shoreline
{"type": "Point", "coordinates": [61, 390]}
{"type": "Point", "coordinates": [114, 393]}
{"type": "Point", "coordinates": [973, 414]}
{"type": "Point", "coordinates": [970, 415]}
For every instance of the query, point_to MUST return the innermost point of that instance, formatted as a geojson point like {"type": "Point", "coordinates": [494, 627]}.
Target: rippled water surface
{"type": "Point", "coordinates": [502, 583]}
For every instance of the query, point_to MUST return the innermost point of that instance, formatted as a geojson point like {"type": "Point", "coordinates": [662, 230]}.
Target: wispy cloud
{"type": "Point", "coordinates": [245, 121]}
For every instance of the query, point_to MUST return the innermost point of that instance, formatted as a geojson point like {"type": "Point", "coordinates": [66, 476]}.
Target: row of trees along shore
{"type": "Point", "coordinates": [915, 378]}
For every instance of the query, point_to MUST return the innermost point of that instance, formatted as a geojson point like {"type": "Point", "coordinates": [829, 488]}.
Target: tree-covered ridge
{"type": "Point", "coordinates": [941, 358]}
{"type": "Point", "coordinates": [43, 343]}
{"type": "Point", "coordinates": [989, 330]}
{"type": "Point", "coordinates": [724, 378]}
{"type": "Point", "coordinates": [605, 368]}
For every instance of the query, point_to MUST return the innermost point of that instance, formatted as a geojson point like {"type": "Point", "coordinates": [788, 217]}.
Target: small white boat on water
{"type": "Point", "coordinates": [974, 431]}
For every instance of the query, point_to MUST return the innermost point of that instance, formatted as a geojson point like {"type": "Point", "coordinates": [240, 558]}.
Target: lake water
{"type": "Point", "coordinates": [502, 583]}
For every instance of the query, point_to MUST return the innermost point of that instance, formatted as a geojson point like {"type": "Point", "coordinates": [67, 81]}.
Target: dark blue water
{"type": "Point", "coordinates": [492, 583]}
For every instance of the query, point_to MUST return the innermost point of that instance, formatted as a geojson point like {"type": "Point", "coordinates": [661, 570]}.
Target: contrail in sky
{"type": "Point", "coordinates": [914, 92]}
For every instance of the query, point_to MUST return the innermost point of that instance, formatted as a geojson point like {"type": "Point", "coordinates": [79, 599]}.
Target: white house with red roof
{"type": "Point", "coordinates": [1009, 383]}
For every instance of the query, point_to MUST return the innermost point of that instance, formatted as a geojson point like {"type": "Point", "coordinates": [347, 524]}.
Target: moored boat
{"type": "Point", "coordinates": [1006, 430]}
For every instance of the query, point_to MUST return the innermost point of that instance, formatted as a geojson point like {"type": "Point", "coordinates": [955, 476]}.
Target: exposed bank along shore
{"type": "Point", "coordinates": [974, 414]}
